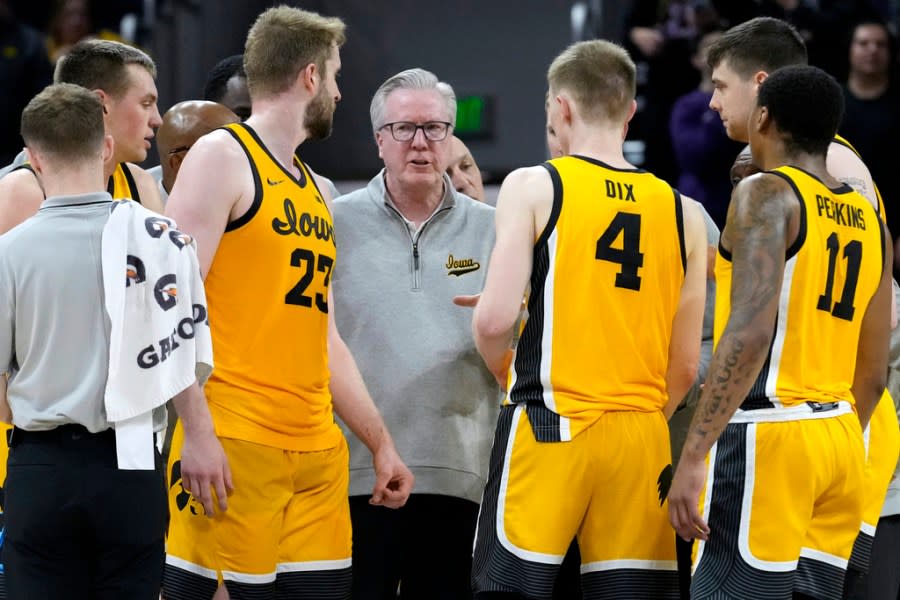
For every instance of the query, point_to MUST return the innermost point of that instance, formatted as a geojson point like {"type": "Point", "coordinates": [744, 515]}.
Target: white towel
{"type": "Point", "coordinates": [160, 341]}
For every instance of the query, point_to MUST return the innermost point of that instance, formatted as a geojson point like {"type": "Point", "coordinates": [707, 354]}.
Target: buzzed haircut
{"type": "Point", "coordinates": [217, 81]}
{"type": "Point", "coordinates": [101, 65]}
{"type": "Point", "coordinates": [64, 121]}
{"type": "Point", "coordinates": [600, 76]}
{"type": "Point", "coordinates": [760, 44]}
{"type": "Point", "coordinates": [806, 104]}
{"type": "Point", "coordinates": [284, 40]}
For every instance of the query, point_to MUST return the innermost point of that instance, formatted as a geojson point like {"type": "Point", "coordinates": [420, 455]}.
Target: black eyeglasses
{"type": "Point", "coordinates": [404, 131]}
{"type": "Point", "coordinates": [179, 149]}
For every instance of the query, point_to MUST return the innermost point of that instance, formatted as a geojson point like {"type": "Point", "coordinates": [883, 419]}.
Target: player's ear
{"type": "Point", "coordinates": [565, 107]}
{"type": "Point", "coordinates": [764, 117]}
{"type": "Point", "coordinates": [104, 100]}
{"type": "Point", "coordinates": [309, 78]}
{"type": "Point", "coordinates": [631, 110]}
{"type": "Point", "coordinates": [34, 159]}
{"type": "Point", "coordinates": [759, 77]}
{"type": "Point", "coordinates": [108, 147]}
{"type": "Point", "coordinates": [760, 119]}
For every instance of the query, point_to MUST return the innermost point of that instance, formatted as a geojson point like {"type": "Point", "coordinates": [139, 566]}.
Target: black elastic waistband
{"type": "Point", "coordinates": [70, 433]}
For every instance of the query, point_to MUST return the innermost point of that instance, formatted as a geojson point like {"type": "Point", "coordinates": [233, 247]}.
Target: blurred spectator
{"type": "Point", "coordinates": [701, 146]}
{"type": "Point", "coordinates": [24, 71]}
{"type": "Point", "coordinates": [659, 38]}
{"type": "Point", "coordinates": [72, 21]}
{"type": "Point", "coordinates": [823, 24]}
{"type": "Point", "coordinates": [872, 111]}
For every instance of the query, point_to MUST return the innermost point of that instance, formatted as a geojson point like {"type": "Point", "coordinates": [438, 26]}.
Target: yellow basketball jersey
{"type": "Point", "coordinates": [121, 184]}
{"type": "Point", "coordinates": [831, 273]}
{"type": "Point", "coordinates": [267, 291]}
{"type": "Point", "coordinates": [605, 284]}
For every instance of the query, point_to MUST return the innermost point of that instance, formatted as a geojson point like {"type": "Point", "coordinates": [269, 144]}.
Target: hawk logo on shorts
{"type": "Point", "coordinates": [183, 499]}
{"type": "Point", "coordinates": [135, 272]}
{"type": "Point", "coordinates": [461, 266]}
{"type": "Point", "coordinates": [664, 482]}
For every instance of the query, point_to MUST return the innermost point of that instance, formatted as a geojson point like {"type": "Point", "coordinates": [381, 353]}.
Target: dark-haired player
{"type": "Point", "coordinates": [804, 284]}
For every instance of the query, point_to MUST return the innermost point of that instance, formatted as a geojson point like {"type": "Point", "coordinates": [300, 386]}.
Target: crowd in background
{"type": "Point", "coordinates": [685, 141]}
{"type": "Point", "coordinates": [682, 139]}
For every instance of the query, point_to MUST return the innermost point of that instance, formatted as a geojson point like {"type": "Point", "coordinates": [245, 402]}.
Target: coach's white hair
{"type": "Point", "coordinates": [411, 79]}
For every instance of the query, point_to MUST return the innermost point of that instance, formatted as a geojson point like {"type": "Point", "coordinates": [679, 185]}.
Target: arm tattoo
{"type": "Point", "coordinates": [757, 234]}
{"type": "Point", "coordinates": [859, 184]}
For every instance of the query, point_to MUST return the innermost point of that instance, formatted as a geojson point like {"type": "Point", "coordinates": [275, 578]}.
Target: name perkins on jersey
{"type": "Point", "coordinates": [842, 214]}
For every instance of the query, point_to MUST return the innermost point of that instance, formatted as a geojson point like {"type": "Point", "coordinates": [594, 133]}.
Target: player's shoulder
{"type": "Point", "coordinates": [217, 159]}
{"type": "Point", "coordinates": [141, 175]}
{"type": "Point", "coordinates": [526, 186]}
{"type": "Point", "coordinates": [845, 165]}
{"type": "Point", "coordinates": [764, 197]}
{"type": "Point", "coordinates": [219, 144]}
{"type": "Point", "coordinates": [21, 180]}
{"type": "Point", "coordinates": [531, 173]}
{"type": "Point", "coordinates": [763, 185]}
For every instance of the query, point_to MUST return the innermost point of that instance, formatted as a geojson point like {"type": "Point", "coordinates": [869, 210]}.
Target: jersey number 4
{"type": "Point", "coordinates": [853, 253]}
{"type": "Point", "coordinates": [629, 256]}
{"type": "Point", "coordinates": [305, 260]}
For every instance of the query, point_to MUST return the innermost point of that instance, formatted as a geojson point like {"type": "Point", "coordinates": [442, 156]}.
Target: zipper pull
{"type": "Point", "coordinates": [416, 255]}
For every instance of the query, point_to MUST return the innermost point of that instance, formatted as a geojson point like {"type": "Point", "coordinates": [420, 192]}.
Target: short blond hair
{"type": "Point", "coordinates": [599, 75]}
{"type": "Point", "coordinates": [282, 42]}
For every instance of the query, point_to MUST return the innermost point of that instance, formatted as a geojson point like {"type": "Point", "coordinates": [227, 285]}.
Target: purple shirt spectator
{"type": "Point", "coordinates": [704, 153]}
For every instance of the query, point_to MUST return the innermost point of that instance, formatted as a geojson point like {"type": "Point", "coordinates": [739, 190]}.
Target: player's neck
{"type": "Point", "coordinates": [70, 182]}
{"type": "Point", "coordinates": [280, 127]}
{"type": "Point", "coordinates": [813, 164]}
{"type": "Point", "coordinates": [603, 144]}
{"type": "Point", "coordinates": [109, 166]}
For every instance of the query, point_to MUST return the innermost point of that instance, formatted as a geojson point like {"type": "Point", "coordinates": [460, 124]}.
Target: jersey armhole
{"type": "Point", "coordinates": [724, 252]}
{"type": "Point", "coordinates": [132, 186]}
{"type": "Point", "coordinates": [679, 222]}
{"type": "Point", "coordinates": [257, 186]}
{"type": "Point", "coordinates": [557, 205]}
{"type": "Point", "coordinates": [794, 248]}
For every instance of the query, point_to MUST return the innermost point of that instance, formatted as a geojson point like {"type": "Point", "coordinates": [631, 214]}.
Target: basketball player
{"type": "Point", "coordinates": [803, 276]}
{"type": "Point", "coordinates": [123, 77]}
{"type": "Point", "coordinates": [740, 60]}
{"type": "Point", "coordinates": [266, 248]}
{"type": "Point", "coordinates": [613, 261]}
